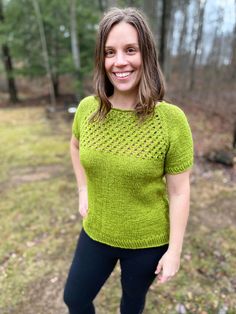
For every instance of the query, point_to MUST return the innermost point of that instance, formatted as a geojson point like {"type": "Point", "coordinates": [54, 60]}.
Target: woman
{"type": "Point", "coordinates": [132, 153]}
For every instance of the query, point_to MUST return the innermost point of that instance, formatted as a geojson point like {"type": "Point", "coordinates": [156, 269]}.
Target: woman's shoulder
{"type": "Point", "coordinates": [171, 112]}
{"type": "Point", "coordinates": [89, 102]}
{"type": "Point", "coordinates": [86, 106]}
{"type": "Point", "coordinates": [168, 108]}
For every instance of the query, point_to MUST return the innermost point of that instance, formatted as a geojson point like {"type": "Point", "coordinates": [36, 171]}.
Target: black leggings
{"type": "Point", "coordinates": [93, 263]}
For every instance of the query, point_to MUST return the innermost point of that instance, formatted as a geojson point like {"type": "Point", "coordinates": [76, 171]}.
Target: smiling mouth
{"type": "Point", "coordinates": [122, 74]}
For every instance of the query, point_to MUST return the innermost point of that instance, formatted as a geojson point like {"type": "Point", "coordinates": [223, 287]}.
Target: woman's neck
{"type": "Point", "coordinates": [123, 101]}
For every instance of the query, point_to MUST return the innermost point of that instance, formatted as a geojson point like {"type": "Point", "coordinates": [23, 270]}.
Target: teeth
{"type": "Point", "coordinates": [124, 74]}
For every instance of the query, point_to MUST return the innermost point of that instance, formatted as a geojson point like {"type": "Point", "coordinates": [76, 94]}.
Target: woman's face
{"type": "Point", "coordinates": [123, 62]}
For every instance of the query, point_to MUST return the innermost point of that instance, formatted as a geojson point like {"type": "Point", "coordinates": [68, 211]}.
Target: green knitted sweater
{"type": "Point", "coordinates": [125, 164]}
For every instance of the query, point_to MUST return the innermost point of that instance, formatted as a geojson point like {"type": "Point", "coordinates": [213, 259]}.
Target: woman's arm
{"type": "Point", "coordinates": [80, 176]}
{"type": "Point", "coordinates": [178, 187]}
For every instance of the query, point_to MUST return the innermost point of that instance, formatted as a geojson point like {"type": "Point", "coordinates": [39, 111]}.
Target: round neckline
{"type": "Point", "coordinates": [133, 110]}
{"type": "Point", "coordinates": [122, 109]}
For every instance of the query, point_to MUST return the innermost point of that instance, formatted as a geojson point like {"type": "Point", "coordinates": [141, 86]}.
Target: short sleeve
{"type": "Point", "coordinates": [77, 122]}
{"type": "Point", "coordinates": [80, 115]}
{"type": "Point", "coordinates": [179, 156]}
{"type": "Point", "coordinates": [86, 107]}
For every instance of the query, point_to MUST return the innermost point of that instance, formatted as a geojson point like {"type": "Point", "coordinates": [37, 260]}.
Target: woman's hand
{"type": "Point", "coordinates": [168, 266]}
{"type": "Point", "coordinates": [83, 201]}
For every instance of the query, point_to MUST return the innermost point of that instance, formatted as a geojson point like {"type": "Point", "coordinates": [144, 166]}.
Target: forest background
{"type": "Point", "coordinates": [47, 50]}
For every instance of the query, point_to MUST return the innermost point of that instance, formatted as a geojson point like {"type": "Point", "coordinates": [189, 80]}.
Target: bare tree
{"type": "Point", "coordinates": [182, 49]}
{"type": "Point", "coordinates": [233, 76]}
{"type": "Point", "coordinates": [45, 51]}
{"type": "Point", "coordinates": [170, 39]}
{"type": "Point", "coordinates": [165, 24]}
{"type": "Point", "coordinates": [183, 32]}
{"type": "Point", "coordinates": [201, 6]}
{"type": "Point", "coordinates": [215, 53]}
{"type": "Point", "coordinates": [75, 44]}
{"type": "Point", "coordinates": [233, 51]}
{"type": "Point", "coordinates": [7, 61]}
{"type": "Point", "coordinates": [150, 8]}
{"type": "Point", "coordinates": [74, 36]}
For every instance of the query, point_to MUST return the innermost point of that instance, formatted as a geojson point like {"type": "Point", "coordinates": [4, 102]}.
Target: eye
{"type": "Point", "coordinates": [109, 53]}
{"type": "Point", "coordinates": [131, 50]}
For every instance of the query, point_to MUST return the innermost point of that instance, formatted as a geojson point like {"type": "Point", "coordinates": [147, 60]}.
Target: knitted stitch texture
{"type": "Point", "coordinates": [125, 163]}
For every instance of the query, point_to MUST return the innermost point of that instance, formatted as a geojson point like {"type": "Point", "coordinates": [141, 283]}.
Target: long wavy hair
{"type": "Point", "coordinates": [151, 86]}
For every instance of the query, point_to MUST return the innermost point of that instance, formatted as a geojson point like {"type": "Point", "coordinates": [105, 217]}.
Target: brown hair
{"type": "Point", "coordinates": [151, 86]}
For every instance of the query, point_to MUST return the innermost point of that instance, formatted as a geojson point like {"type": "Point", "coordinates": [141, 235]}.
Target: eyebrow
{"type": "Point", "coordinates": [131, 44]}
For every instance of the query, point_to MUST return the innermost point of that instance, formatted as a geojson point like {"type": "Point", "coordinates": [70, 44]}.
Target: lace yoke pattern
{"type": "Point", "coordinates": [121, 134]}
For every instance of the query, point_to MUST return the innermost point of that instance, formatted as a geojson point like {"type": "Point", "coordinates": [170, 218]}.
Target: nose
{"type": "Point", "coordinates": [120, 59]}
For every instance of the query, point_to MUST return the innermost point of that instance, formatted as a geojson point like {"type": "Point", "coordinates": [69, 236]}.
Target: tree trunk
{"type": "Point", "coordinates": [215, 53]}
{"type": "Point", "coordinates": [55, 80]}
{"type": "Point", "coordinates": [233, 53]}
{"type": "Point", "coordinates": [75, 47]}
{"type": "Point", "coordinates": [131, 3]}
{"type": "Point", "coordinates": [170, 39]}
{"type": "Point", "coordinates": [149, 8]}
{"type": "Point", "coordinates": [165, 22]}
{"type": "Point", "coordinates": [182, 50]}
{"type": "Point", "coordinates": [74, 36]}
{"type": "Point", "coordinates": [202, 5]}
{"type": "Point", "coordinates": [112, 3]}
{"type": "Point", "coordinates": [233, 66]}
{"type": "Point", "coordinates": [7, 61]}
{"type": "Point", "coordinates": [45, 51]}
{"type": "Point", "coordinates": [101, 6]}
{"type": "Point", "coordinates": [183, 33]}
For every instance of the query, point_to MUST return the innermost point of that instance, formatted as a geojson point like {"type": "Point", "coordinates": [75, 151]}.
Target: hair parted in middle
{"type": "Point", "coordinates": [151, 87]}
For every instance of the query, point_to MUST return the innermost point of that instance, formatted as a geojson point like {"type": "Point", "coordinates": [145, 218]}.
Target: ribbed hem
{"type": "Point", "coordinates": [175, 170]}
{"type": "Point", "coordinates": [158, 240]}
